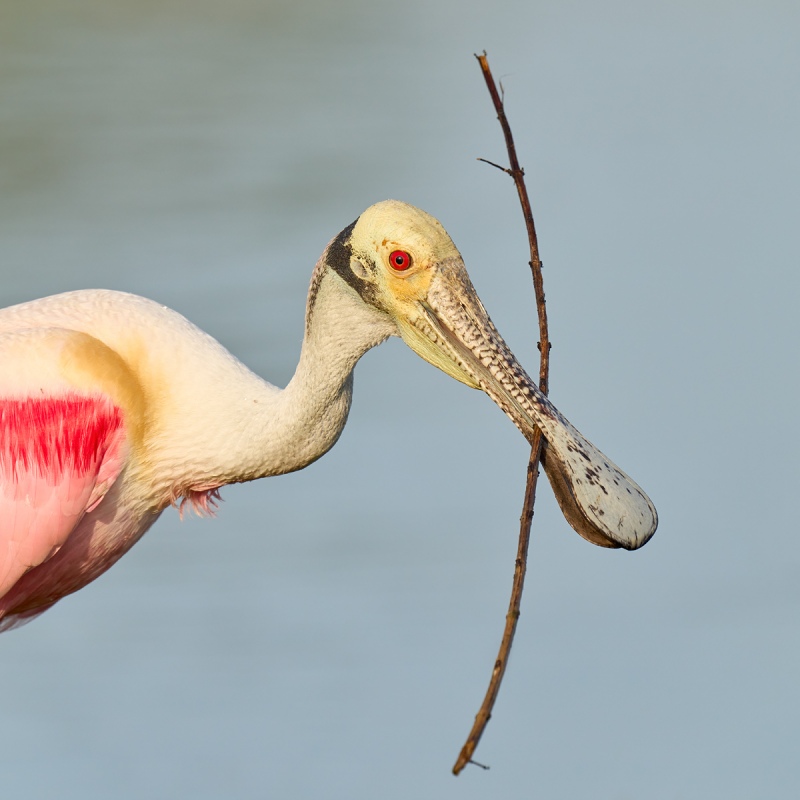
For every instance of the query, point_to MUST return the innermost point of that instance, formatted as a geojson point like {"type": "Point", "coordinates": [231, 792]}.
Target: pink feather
{"type": "Point", "coordinates": [58, 458]}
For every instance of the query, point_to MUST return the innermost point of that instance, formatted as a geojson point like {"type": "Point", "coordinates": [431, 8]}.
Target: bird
{"type": "Point", "coordinates": [114, 407]}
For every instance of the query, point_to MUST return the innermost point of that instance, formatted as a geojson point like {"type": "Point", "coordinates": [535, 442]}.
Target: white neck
{"type": "Point", "coordinates": [307, 417]}
{"type": "Point", "coordinates": [246, 428]}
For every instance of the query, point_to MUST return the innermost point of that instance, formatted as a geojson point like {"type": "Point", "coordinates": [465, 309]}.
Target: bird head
{"type": "Point", "coordinates": [403, 264]}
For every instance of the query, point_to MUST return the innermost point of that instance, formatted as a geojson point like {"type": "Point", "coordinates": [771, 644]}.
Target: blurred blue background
{"type": "Point", "coordinates": [331, 633]}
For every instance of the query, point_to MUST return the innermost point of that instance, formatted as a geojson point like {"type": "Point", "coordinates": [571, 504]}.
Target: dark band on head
{"type": "Point", "coordinates": [339, 254]}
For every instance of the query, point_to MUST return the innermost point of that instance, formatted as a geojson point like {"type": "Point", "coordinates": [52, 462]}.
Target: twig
{"type": "Point", "coordinates": [537, 443]}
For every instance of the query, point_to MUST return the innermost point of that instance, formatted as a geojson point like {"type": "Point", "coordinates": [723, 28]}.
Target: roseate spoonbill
{"type": "Point", "coordinates": [113, 407]}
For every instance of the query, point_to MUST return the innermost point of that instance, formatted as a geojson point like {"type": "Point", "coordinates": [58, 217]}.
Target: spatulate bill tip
{"type": "Point", "coordinates": [600, 502]}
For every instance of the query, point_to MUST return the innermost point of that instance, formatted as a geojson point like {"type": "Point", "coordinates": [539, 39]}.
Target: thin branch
{"type": "Point", "coordinates": [492, 164]}
{"type": "Point", "coordinates": [537, 444]}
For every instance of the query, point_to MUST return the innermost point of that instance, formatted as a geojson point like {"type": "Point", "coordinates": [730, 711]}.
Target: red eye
{"type": "Point", "coordinates": [400, 260]}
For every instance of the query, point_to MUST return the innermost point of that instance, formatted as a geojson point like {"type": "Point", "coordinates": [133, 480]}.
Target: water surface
{"type": "Point", "coordinates": [330, 634]}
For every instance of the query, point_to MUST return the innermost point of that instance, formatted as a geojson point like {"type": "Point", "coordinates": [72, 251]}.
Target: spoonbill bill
{"type": "Point", "coordinates": [113, 407]}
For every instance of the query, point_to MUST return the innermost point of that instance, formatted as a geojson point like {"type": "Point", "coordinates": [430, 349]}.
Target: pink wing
{"type": "Point", "coordinates": [58, 457]}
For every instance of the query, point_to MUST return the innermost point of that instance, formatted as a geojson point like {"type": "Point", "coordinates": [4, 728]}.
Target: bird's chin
{"type": "Point", "coordinates": [424, 335]}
